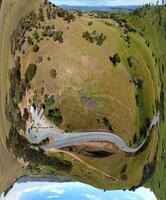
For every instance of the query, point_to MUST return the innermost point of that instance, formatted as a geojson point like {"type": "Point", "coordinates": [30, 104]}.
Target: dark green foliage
{"type": "Point", "coordinates": [18, 37]}
{"type": "Point", "coordinates": [41, 14]}
{"type": "Point", "coordinates": [36, 35]}
{"type": "Point", "coordinates": [35, 48]}
{"type": "Point", "coordinates": [90, 23]}
{"type": "Point", "coordinates": [69, 17]}
{"type": "Point", "coordinates": [115, 59]}
{"type": "Point", "coordinates": [58, 36]}
{"type": "Point", "coordinates": [55, 116]}
{"type": "Point", "coordinates": [100, 39]}
{"type": "Point", "coordinates": [21, 149]}
{"type": "Point", "coordinates": [30, 72]}
{"type": "Point", "coordinates": [88, 36]}
{"type": "Point", "coordinates": [94, 37]}
{"type": "Point", "coordinates": [30, 41]}
{"type": "Point", "coordinates": [123, 172]}
{"type": "Point", "coordinates": [130, 61]}
{"type": "Point", "coordinates": [48, 12]}
{"type": "Point", "coordinates": [107, 123]}
{"type": "Point", "coordinates": [135, 139]}
{"type": "Point", "coordinates": [49, 101]}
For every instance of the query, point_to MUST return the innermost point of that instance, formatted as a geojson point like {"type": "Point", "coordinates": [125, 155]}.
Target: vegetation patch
{"type": "Point", "coordinates": [107, 123]}
{"type": "Point", "coordinates": [94, 37]}
{"type": "Point", "coordinates": [115, 59]}
{"type": "Point", "coordinates": [30, 72]}
{"type": "Point", "coordinates": [49, 101]}
{"type": "Point", "coordinates": [35, 48]}
{"type": "Point", "coordinates": [55, 116]}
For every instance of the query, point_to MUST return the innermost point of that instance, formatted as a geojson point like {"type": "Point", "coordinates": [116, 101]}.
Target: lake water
{"type": "Point", "coordinates": [101, 8]}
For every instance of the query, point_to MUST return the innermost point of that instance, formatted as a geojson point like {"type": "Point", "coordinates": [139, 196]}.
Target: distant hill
{"type": "Point", "coordinates": [102, 8]}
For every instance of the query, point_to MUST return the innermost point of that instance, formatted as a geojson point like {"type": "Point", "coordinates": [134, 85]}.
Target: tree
{"type": "Point", "coordinates": [30, 72]}
{"type": "Point", "coordinates": [79, 13]}
{"type": "Point", "coordinates": [30, 41]}
{"type": "Point", "coordinates": [55, 116]}
{"type": "Point", "coordinates": [58, 36]}
{"type": "Point", "coordinates": [36, 35]}
{"type": "Point", "coordinates": [35, 48]}
{"type": "Point", "coordinates": [41, 14]}
{"type": "Point", "coordinates": [115, 59]}
{"type": "Point", "coordinates": [53, 73]}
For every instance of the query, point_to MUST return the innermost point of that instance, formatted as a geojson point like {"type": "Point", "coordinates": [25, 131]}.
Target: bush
{"type": "Point", "coordinates": [88, 36]}
{"type": "Point", "coordinates": [93, 37]}
{"type": "Point", "coordinates": [30, 72]}
{"type": "Point", "coordinates": [107, 123]}
{"type": "Point", "coordinates": [55, 116]}
{"type": "Point", "coordinates": [35, 48]}
{"type": "Point", "coordinates": [115, 59]}
{"type": "Point", "coordinates": [36, 35]}
{"type": "Point", "coordinates": [130, 61]}
{"type": "Point", "coordinates": [30, 41]}
{"type": "Point", "coordinates": [41, 14]}
{"type": "Point", "coordinates": [100, 39]}
{"type": "Point", "coordinates": [79, 13]}
{"type": "Point", "coordinates": [53, 73]}
{"type": "Point", "coordinates": [90, 23]}
{"type": "Point", "coordinates": [49, 101]}
{"type": "Point", "coordinates": [58, 36]}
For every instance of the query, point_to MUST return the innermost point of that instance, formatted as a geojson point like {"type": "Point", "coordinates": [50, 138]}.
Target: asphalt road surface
{"type": "Point", "coordinates": [35, 136]}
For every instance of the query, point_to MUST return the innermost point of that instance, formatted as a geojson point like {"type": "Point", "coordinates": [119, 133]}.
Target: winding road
{"type": "Point", "coordinates": [36, 135]}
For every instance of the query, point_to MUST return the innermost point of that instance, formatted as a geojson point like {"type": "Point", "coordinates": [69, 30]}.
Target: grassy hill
{"type": "Point", "coordinates": [93, 71]}
{"type": "Point", "coordinates": [9, 166]}
{"type": "Point", "coordinates": [151, 22]}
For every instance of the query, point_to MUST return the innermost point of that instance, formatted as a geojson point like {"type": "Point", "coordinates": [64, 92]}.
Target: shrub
{"type": "Point", "coordinates": [107, 123]}
{"type": "Point", "coordinates": [53, 73]}
{"type": "Point", "coordinates": [55, 116]}
{"type": "Point", "coordinates": [69, 17]}
{"type": "Point", "coordinates": [35, 48]}
{"type": "Point", "coordinates": [79, 13]}
{"type": "Point", "coordinates": [58, 36]}
{"type": "Point", "coordinates": [130, 61]}
{"type": "Point", "coordinates": [100, 39]}
{"type": "Point", "coordinates": [48, 58]}
{"type": "Point", "coordinates": [54, 13]}
{"type": "Point", "coordinates": [88, 36]}
{"type": "Point", "coordinates": [30, 41]}
{"type": "Point", "coordinates": [49, 101]}
{"type": "Point", "coordinates": [115, 59]}
{"type": "Point", "coordinates": [90, 23]}
{"type": "Point", "coordinates": [93, 37]}
{"type": "Point", "coordinates": [41, 14]}
{"type": "Point", "coordinates": [30, 72]}
{"type": "Point", "coordinates": [36, 35]}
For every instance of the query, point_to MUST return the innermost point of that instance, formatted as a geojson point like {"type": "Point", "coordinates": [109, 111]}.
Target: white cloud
{"type": "Point", "coordinates": [92, 197]}
{"type": "Point", "coordinates": [37, 187]}
{"type": "Point", "coordinates": [145, 193]}
{"type": "Point", "coordinates": [52, 196]}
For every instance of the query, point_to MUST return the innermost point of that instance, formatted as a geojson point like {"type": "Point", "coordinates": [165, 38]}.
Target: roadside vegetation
{"type": "Point", "coordinates": [94, 37]}
{"type": "Point", "coordinates": [55, 116]}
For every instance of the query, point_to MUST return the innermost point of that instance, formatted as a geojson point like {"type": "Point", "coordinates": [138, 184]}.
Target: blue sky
{"type": "Point", "coordinates": [102, 2]}
{"type": "Point", "coordinates": [71, 191]}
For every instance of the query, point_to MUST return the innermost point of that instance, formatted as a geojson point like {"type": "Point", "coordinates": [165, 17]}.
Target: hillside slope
{"type": "Point", "coordinates": [150, 22]}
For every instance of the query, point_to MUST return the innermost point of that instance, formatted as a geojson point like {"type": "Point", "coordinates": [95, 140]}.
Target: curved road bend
{"type": "Point", "coordinates": [70, 139]}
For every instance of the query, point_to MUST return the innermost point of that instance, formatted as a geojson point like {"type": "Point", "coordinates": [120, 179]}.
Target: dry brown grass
{"type": "Point", "coordinates": [82, 66]}
{"type": "Point", "coordinates": [10, 14]}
